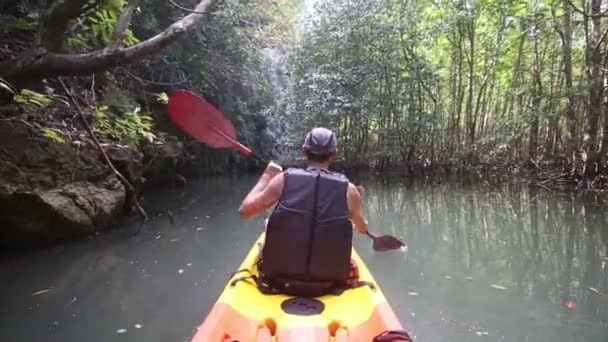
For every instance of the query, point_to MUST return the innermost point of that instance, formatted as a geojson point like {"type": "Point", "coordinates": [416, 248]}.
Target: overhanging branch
{"type": "Point", "coordinates": [39, 62]}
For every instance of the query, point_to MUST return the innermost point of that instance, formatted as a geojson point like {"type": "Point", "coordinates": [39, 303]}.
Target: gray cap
{"type": "Point", "coordinates": [320, 141]}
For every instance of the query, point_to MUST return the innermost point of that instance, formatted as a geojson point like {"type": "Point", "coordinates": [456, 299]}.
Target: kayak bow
{"type": "Point", "coordinates": [242, 313]}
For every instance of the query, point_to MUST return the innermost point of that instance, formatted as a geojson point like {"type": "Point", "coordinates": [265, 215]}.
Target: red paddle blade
{"type": "Point", "coordinates": [201, 120]}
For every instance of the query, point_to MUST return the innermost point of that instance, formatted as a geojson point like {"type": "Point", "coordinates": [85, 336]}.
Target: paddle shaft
{"type": "Point", "coordinates": [240, 147]}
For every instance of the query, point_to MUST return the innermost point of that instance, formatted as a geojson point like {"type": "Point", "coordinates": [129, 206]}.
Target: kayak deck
{"type": "Point", "coordinates": [242, 313]}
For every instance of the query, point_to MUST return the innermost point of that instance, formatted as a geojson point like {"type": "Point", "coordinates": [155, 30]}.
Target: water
{"type": "Point", "coordinates": [482, 264]}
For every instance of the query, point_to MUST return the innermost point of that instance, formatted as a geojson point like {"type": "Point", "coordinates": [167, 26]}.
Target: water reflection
{"type": "Point", "coordinates": [506, 262]}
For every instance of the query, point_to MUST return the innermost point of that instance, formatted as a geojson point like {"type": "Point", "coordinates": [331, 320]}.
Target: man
{"type": "Point", "coordinates": [308, 241]}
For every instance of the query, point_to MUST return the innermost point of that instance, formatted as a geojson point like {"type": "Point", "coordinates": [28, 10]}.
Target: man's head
{"type": "Point", "coordinates": [320, 145]}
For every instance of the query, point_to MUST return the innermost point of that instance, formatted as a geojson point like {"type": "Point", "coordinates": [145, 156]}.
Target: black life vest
{"type": "Point", "coordinates": [309, 233]}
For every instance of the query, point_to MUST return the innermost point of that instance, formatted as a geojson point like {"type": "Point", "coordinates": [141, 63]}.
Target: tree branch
{"type": "Point", "coordinates": [602, 38]}
{"type": "Point", "coordinates": [122, 23]}
{"type": "Point", "coordinates": [176, 5]}
{"type": "Point", "coordinates": [39, 62]}
{"type": "Point", "coordinates": [587, 15]}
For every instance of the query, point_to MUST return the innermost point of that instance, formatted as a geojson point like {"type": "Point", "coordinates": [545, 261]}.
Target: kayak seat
{"type": "Point", "coordinates": [302, 288]}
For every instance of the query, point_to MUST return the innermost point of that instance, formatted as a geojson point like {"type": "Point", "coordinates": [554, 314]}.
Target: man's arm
{"type": "Point", "coordinates": [265, 193]}
{"type": "Point", "coordinates": [354, 209]}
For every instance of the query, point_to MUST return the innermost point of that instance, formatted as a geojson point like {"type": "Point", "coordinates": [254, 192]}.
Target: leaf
{"type": "Point", "coordinates": [41, 292]}
{"type": "Point", "coordinates": [162, 98]}
{"type": "Point", "coordinates": [499, 287]}
{"type": "Point", "coordinates": [6, 86]}
{"type": "Point", "coordinates": [53, 134]}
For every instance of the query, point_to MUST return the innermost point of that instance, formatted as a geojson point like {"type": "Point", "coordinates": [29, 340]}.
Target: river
{"type": "Point", "coordinates": [483, 263]}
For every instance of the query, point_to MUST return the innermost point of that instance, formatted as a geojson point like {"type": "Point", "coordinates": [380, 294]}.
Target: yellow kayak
{"type": "Point", "coordinates": [242, 313]}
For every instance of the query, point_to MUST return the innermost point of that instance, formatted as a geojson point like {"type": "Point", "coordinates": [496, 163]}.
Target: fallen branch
{"type": "Point", "coordinates": [130, 189]}
{"type": "Point", "coordinates": [553, 178]}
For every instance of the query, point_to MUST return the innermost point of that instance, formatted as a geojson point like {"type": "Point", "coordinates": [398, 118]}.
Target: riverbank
{"type": "Point", "coordinates": [58, 186]}
{"type": "Point", "coordinates": [554, 175]}
{"type": "Point", "coordinates": [60, 179]}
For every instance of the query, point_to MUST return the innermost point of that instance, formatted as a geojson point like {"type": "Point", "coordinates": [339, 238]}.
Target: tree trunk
{"type": "Point", "coordinates": [536, 97]}
{"type": "Point", "coordinates": [567, 55]}
{"type": "Point", "coordinates": [469, 106]}
{"type": "Point", "coordinates": [594, 77]}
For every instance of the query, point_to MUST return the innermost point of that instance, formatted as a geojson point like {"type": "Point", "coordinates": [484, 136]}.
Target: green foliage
{"type": "Point", "coordinates": [102, 24]}
{"type": "Point", "coordinates": [97, 28]}
{"type": "Point", "coordinates": [130, 127]}
{"type": "Point", "coordinates": [31, 98]}
{"type": "Point", "coordinates": [401, 80]}
{"type": "Point", "coordinates": [12, 24]}
{"type": "Point", "coordinates": [54, 135]}
{"type": "Point", "coordinates": [162, 98]}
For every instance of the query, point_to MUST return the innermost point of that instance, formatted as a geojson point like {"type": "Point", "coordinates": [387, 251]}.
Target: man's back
{"type": "Point", "coordinates": [309, 233]}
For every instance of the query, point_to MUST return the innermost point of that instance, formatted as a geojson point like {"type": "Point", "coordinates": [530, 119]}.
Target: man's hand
{"type": "Point", "coordinates": [272, 169]}
{"type": "Point", "coordinates": [265, 193]}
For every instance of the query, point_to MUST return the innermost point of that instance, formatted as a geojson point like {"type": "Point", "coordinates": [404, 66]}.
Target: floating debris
{"type": "Point", "coordinates": [499, 287]}
{"type": "Point", "coordinates": [158, 237]}
{"type": "Point", "coordinates": [74, 299]}
{"type": "Point", "coordinates": [174, 240]}
{"type": "Point", "coordinates": [481, 333]}
{"type": "Point", "coordinates": [189, 264]}
{"type": "Point", "coordinates": [199, 228]}
{"type": "Point", "coordinates": [196, 217]}
{"type": "Point", "coordinates": [137, 326]}
{"type": "Point", "coordinates": [570, 304]}
{"type": "Point", "coordinates": [41, 292]}
{"type": "Point", "coordinates": [593, 289]}
{"type": "Point", "coordinates": [121, 331]}
{"type": "Point", "coordinates": [448, 277]}
{"type": "Point", "coordinates": [181, 270]}
{"type": "Point", "coordinates": [469, 278]}
{"type": "Point", "coordinates": [412, 293]}
{"type": "Point", "coordinates": [207, 216]}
